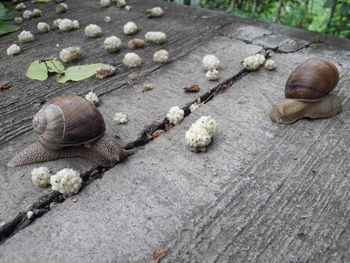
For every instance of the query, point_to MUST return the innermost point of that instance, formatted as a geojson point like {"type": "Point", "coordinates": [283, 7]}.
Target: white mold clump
{"type": "Point", "coordinates": [20, 6]}
{"type": "Point", "coordinates": [270, 64]}
{"type": "Point", "coordinates": [128, 7]}
{"type": "Point", "coordinates": [41, 176]}
{"type": "Point", "coordinates": [92, 98]}
{"type": "Point", "coordinates": [30, 214]}
{"type": "Point", "coordinates": [154, 12]}
{"type": "Point", "coordinates": [43, 27]}
{"type": "Point", "coordinates": [252, 63]}
{"type": "Point", "coordinates": [107, 19]}
{"type": "Point", "coordinates": [121, 3]}
{"type": "Point", "coordinates": [156, 37]}
{"type": "Point", "coordinates": [27, 14]}
{"type": "Point", "coordinates": [132, 60]}
{"type": "Point", "coordinates": [210, 62]}
{"type": "Point", "coordinates": [61, 8]}
{"type": "Point", "coordinates": [93, 31]}
{"type": "Point", "coordinates": [70, 54]}
{"type": "Point", "coordinates": [175, 115]}
{"type": "Point", "coordinates": [201, 133]}
{"type": "Point", "coordinates": [105, 70]}
{"type": "Point", "coordinates": [66, 181]}
{"type": "Point", "coordinates": [120, 118]}
{"type": "Point", "coordinates": [195, 106]}
{"type": "Point", "coordinates": [212, 75]}
{"type": "Point", "coordinates": [105, 3]}
{"type": "Point", "coordinates": [25, 36]}
{"type": "Point", "coordinates": [36, 12]}
{"type": "Point", "coordinates": [56, 23]}
{"type": "Point", "coordinates": [130, 28]}
{"type": "Point", "coordinates": [161, 56]}
{"type": "Point", "coordinates": [13, 50]}
{"type": "Point", "coordinates": [67, 24]}
{"type": "Point", "coordinates": [112, 44]}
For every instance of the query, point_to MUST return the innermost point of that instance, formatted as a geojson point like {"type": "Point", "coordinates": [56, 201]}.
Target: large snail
{"type": "Point", "coordinates": [70, 126]}
{"type": "Point", "coordinates": [307, 91]}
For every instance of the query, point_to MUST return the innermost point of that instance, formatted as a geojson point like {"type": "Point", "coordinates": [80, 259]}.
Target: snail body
{"type": "Point", "coordinates": [307, 95]}
{"type": "Point", "coordinates": [70, 126]}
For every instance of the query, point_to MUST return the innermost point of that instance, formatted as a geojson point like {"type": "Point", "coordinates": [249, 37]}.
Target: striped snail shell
{"type": "Point", "coordinates": [68, 121]}
{"type": "Point", "coordinates": [312, 80]}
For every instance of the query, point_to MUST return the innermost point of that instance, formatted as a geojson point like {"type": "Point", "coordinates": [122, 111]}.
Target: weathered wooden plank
{"type": "Point", "coordinates": [241, 201]}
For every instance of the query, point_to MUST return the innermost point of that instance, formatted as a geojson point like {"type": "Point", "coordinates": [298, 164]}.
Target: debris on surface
{"type": "Point", "coordinates": [41, 176]}
{"type": "Point", "coordinates": [134, 76]}
{"type": "Point", "coordinates": [132, 60]}
{"type": "Point", "coordinates": [92, 31]}
{"type": "Point", "coordinates": [192, 88]}
{"type": "Point", "coordinates": [175, 115]}
{"type": "Point", "coordinates": [154, 12]}
{"type": "Point", "coordinates": [157, 133]}
{"type": "Point", "coordinates": [210, 62]}
{"type": "Point", "coordinates": [128, 7]}
{"type": "Point", "coordinates": [270, 64]}
{"type": "Point", "coordinates": [107, 19]}
{"type": "Point", "coordinates": [105, 71]}
{"type": "Point", "coordinates": [148, 87]}
{"type": "Point", "coordinates": [136, 43]}
{"type": "Point", "coordinates": [30, 214]}
{"type": "Point", "coordinates": [13, 50]}
{"type": "Point", "coordinates": [120, 118]}
{"type": "Point", "coordinates": [5, 85]}
{"type": "Point", "coordinates": [252, 63]}
{"type": "Point", "coordinates": [161, 56]}
{"type": "Point", "coordinates": [156, 37]}
{"type": "Point", "coordinates": [195, 106]}
{"type": "Point", "coordinates": [158, 255]}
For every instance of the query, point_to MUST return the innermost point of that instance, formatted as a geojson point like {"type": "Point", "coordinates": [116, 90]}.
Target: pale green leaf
{"type": "Point", "coordinates": [37, 70]}
{"type": "Point", "coordinates": [54, 65]}
{"type": "Point", "coordinates": [40, 1]}
{"type": "Point", "coordinates": [7, 28]}
{"type": "Point", "coordinates": [78, 73]}
{"type": "Point", "coordinates": [8, 13]}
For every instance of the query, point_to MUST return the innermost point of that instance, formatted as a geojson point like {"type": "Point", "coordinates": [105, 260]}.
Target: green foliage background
{"type": "Point", "coordinates": [325, 16]}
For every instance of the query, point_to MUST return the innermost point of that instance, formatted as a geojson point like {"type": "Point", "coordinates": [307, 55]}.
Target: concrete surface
{"type": "Point", "coordinates": [262, 193]}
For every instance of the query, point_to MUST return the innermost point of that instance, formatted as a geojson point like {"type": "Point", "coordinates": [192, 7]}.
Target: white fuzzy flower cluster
{"type": "Point", "coordinates": [43, 27]}
{"type": "Point", "coordinates": [18, 20]}
{"type": "Point", "coordinates": [161, 56]}
{"type": "Point", "coordinates": [25, 36]}
{"type": "Point", "coordinates": [128, 8]}
{"type": "Point", "coordinates": [132, 60]}
{"type": "Point", "coordinates": [36, 12]}
{"type": "Point", "coordinates": [93, 30]}
{"type": "Point", "coordinates": [112, 44]}
{"type": "Point", "coordinates": [175, 115]}
{"type": "Point", "coordinates": [20, 6]}
{"type": "Point", "coordinates": [120, 3]}
{"type": "Point", "coordinates": [252, 63]}
{"type": "Point", "coordinates": [67, 24]}
{"type": "Point", "coordinates": [70, 54]}
{"type": "Point", "coordinates": [61, 8]}
{"type": "Point", "coordinates": [201, 133]}
{"type": "Point", "coordinates": [130, 28]}
{"type": "Point", "coordinates": [270, 64]}
{"type": "Point", "coordinates": [212, 75]}
{"type": "Point", "coordinates": [13, 50]}
{"type": "Point", "coordinates": [155, 37]}
{"type": "Point", "coordinates": [27, 14]}
{"type": "Point", "coordinates": [56, 23]}
{"type": "Point", "coordinates": [66, 181]}
{"type": "Point", "coordinates": [92, 98]}
{"type": "Point", "coordinates": [105, 3]}
{"type": "Point", "coordinates": [155, 12]}
{"type": "Point", "coordinates": [41, 176]}
{"type": "Point", "coordinates": [120, 118]}
{"type": "Point", "coordinates": [210, 62]}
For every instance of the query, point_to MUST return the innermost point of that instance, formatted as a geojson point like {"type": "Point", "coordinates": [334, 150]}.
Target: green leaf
{"type": "Point", "coordinates": [78, 73]}
{"type": "Point", "coordinates": [54, 65]}
{"type": "Point", "coordinates": [2, 6]}
{"type": "Point", "coordinates": [40, 1]}
{"type": "Point", "coordinates": [37, 70]}
{"type": "Point", "coordinates": [8, 14]}
{"type": "Point", "coordinates": [7, 28]}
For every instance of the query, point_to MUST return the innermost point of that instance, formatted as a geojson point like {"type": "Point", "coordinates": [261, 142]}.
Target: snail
{"type": "Point", "coordinates": [307, 91]}
{"type": "Point", "coordinates": [70, 126]}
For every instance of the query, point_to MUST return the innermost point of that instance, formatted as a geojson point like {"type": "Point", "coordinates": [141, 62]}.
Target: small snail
{"type": "Point", "coordinates": [307, 91]}
{"type": "Point", "coordinates": [70, 126]}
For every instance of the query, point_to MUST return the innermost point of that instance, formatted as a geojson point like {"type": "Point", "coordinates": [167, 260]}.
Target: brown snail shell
{"type": "Point", "coordinates": [68, 121]}
{"type": "Point", "coordinates": [312, 80]}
